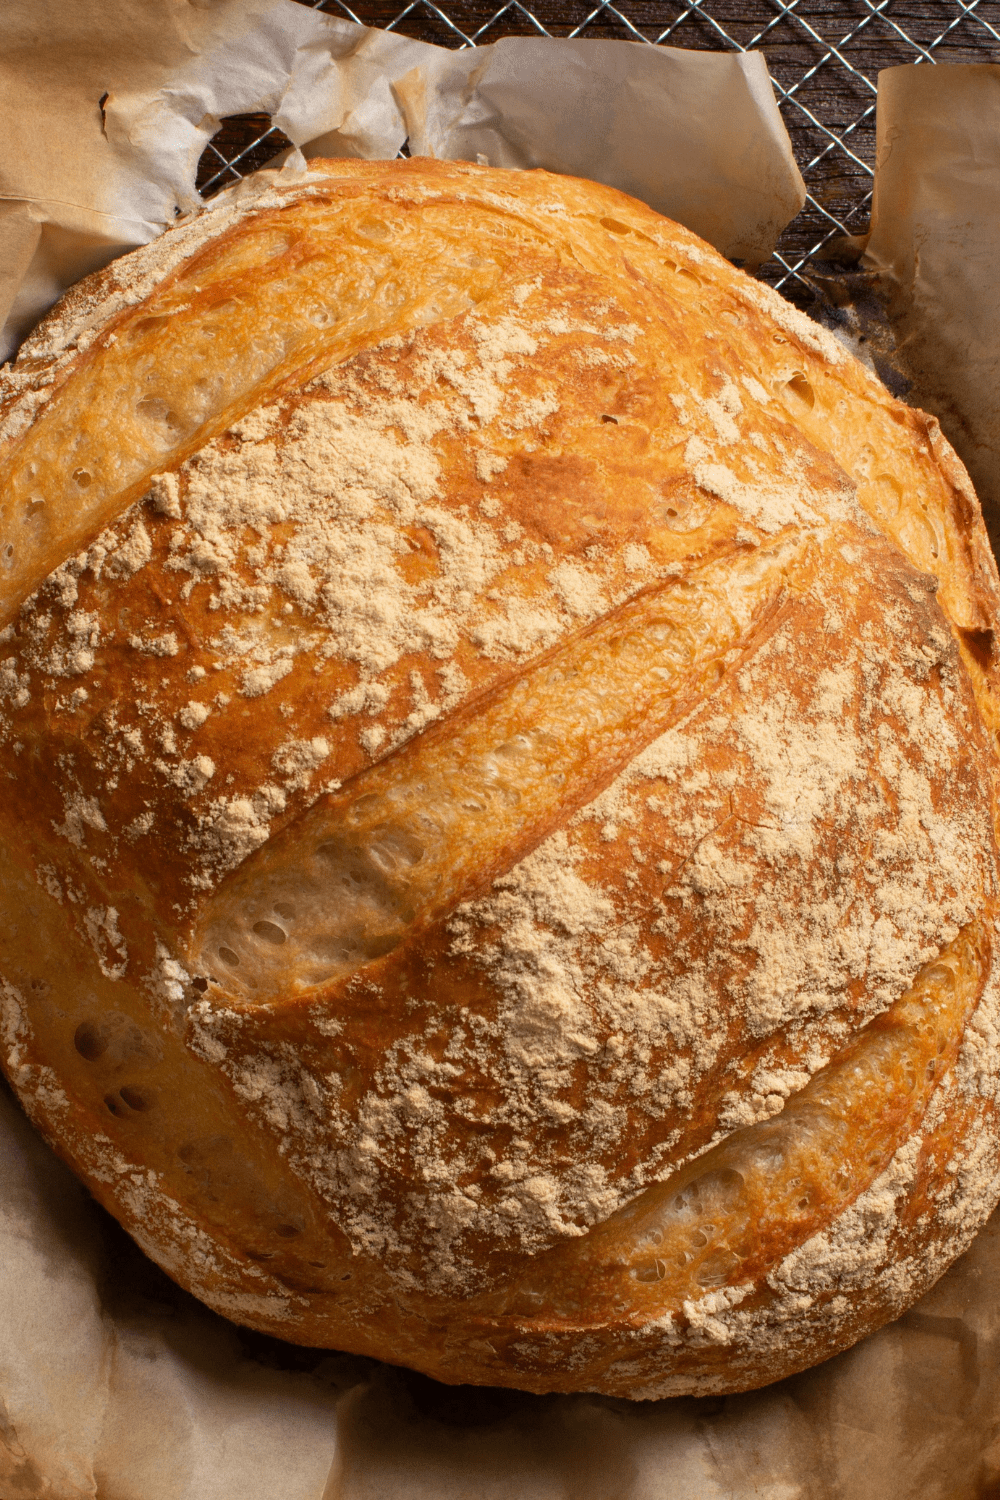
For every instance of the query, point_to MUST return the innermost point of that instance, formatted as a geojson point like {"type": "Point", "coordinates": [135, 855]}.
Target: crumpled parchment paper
{"type": "Point", "coordinates": [115, 1384]}
{"type": "Point", "coordinates": [935, 250]}
{"type": "Point", "coordinates": [697, 135]}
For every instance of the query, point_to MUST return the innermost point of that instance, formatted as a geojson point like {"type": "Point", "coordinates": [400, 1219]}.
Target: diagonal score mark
{"type": "Point", "coordinates": [436, 822]}
{"type": "Point", "coordinates": [307, 299]}
{"type": "Point", "coordinates": [731, 1214]}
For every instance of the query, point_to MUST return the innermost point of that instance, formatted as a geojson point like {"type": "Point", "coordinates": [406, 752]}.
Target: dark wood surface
{"type": "Point", "coordinates": [821, 51]}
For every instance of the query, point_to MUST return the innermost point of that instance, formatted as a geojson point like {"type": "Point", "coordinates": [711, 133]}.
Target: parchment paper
{"type": "Point", "coordinates": [935, 248]}
{"type": "Point", "coordinates": [118, 1385]}
{"type": "Point", "coordinates": [113, 1382]}
{"type": "Point", "coordinates": [697, 135]}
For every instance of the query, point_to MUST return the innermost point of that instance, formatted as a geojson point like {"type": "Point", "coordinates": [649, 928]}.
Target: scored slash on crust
{"type": "Point", "coordinates": [731, 1214]}
{"type": "Point", "coordinates": [280, 1170]}
{"type": "Point", "coordinates": [363, 870]}
{"type": "Point", "coordinates": [436, 823]}
{"type": "Point", "coordinates": [302, 288]}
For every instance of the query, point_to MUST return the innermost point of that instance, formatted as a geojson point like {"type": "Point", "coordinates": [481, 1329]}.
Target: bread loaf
{"type": "Point", "coordinates": [498, 717]}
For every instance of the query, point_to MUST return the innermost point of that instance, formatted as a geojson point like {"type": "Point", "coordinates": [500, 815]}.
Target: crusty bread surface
{"type": "Point", "coordinates": [498, 716]}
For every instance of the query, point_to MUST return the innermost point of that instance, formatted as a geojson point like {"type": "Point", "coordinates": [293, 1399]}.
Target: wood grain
{"type": "Point", "coordinates": [833, 95]}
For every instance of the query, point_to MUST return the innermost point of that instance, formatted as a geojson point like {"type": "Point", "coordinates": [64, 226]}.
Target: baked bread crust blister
{"type": "Point", "coordinates": [498, 715]}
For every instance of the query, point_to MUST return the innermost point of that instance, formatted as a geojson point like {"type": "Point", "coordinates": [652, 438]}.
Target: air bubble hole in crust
{"type": "Point", "coordinates": [143, 326]}
{"type": "Point", "coordinates": [139, 1100]}
{"type": "Point", "coordinates": [799, 387]}
{"type": "Point", "coordinates": [717, 1268]}
{"type": "Point", "coordinates": [359, 809]}
{"type": "Point", "coordinates": [83, 478]}
{"type": "Point", "coordinates": [394, 849]}
{"type": "Point", "coordinates": [342, 887]}
{"type": "Point", "coordinates": [350, 908]}
{"type": "Point", "coordinates": [89, 1041]}
{"type": "Point", "coordinates": [155, 409]}
{"type": "Point", "coordinates": [270, 932]}
{"type": "Point", "coordinates": [889, 488]}
{"type": "Point", "coordinates": [114, 1039]}
{"type": "Point", "coordinates": [374, 229]}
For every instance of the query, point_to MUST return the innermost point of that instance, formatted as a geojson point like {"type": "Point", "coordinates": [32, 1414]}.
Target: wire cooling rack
{"type": "Point", "coordinates": [824, 57]}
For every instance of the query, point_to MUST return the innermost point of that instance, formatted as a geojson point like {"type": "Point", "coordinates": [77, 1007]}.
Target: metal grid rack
{"type": "Point", "coordinates": [824, 57]}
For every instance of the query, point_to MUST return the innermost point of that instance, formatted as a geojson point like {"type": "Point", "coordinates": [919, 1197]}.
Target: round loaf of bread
{"type": "Point", "coordinates": [498, 724]}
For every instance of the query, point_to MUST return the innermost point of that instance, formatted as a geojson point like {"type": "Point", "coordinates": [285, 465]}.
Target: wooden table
{"type": "Point", "coordinates": [824, 57]}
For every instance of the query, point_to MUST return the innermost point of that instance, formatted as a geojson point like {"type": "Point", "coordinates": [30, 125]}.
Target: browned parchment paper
{"type": "Point", "coordinates": [118, 1386]}
{"type": "Point", "coordinates": [696, 134]}
{"type": "Point", "coordinates": [935, 248]}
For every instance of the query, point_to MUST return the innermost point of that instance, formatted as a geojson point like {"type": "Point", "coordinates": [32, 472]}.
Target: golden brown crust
{"type": "Point", "coordinates": [601, 665]}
